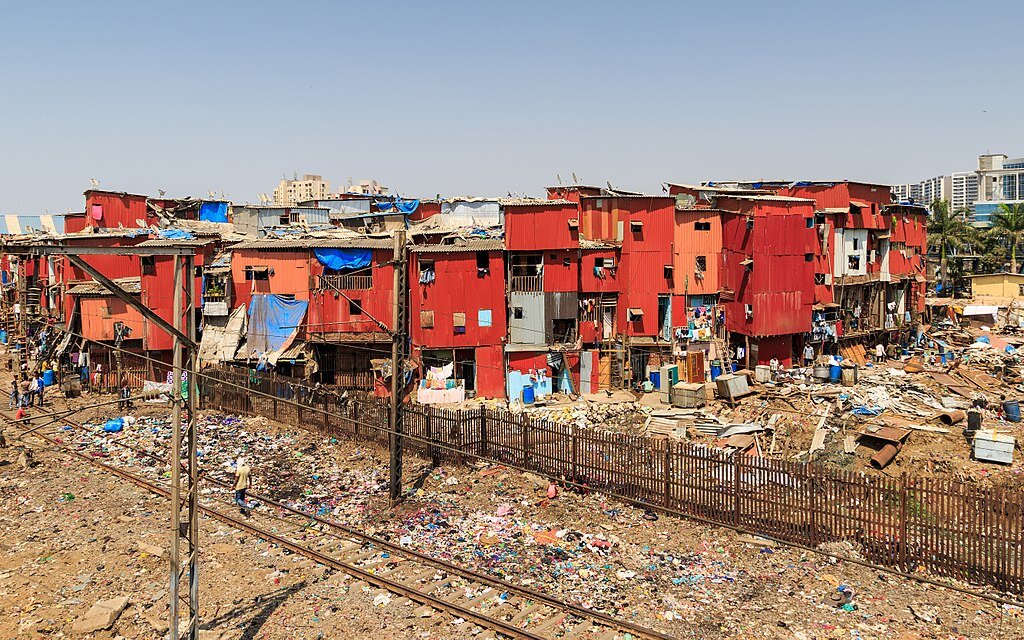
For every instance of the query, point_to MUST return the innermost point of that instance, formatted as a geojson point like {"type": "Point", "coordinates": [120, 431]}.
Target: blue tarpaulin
{"type": "Point", "coordinates": [213, 211]}
{"type": "Point", "coordinates": [273, 322]}
{"type": "Point", "coordinates": [344, 259]}
{"type": "Point", "coordinates": [175, 234]}
{"type": "Point", "coordinates": [402, 206]}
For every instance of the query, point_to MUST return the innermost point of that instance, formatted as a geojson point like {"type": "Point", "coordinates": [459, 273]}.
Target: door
{"type": "Point", "coordinates": [607, 320]}
{"type": "Point", "coordinates": [586, 371]}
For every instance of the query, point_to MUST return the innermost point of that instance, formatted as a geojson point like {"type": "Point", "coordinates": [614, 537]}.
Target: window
{"type": "Point", "coordinates": [808, 257]}
{"type": "Point", "coordinates": [517, 313]}
{"type": "Point", "coordinates": [354, 309]}
{"type": "Point", "coordinates": [257, 273]}
{"type": "Point", "coordinates": [283, 219]}
{"type": "Point", "coordinates": [854, 263]}
{"type": "Point", "coordinates": [554, 257]}
{"type": "Point", "coordinates": [199, 271]}
{"type": "Point", "coordinates": [856, 244]}
{"type": "Point", "coordinates": [809, 223]}
{"type": "Point", "coordinates": [819, 218]}
{"type": "Point", "coordinates": [148, 265]}
{"type": "Point", "coordinates": [669, 271]}
{"type": "Point", "coordinates": [701, 264]}
{"type": "Point", "coordinates": [819, 278]}
{"type": "Point", "coordinates": [702, 226]}
{"type": "Point", "coordinates": [483, 262]}
{"type": "Point", "coordinates": [607, 263]}
{"type": "Point", "coordinates": [1020, 288]}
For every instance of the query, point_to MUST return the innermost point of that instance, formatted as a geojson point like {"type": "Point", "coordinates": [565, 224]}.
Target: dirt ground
{"type": "Point", "coordinates": [70, 535]}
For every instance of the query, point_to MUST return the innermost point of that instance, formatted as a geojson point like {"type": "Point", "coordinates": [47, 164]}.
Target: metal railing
{"type": "Point", "coordinates": [527, 284]}
{"type": "Point", "coordinates": [345, 282]}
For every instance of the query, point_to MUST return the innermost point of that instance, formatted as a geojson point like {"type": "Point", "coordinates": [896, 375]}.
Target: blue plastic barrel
{"type": "Point", "coordinates": [735, 367]}
{"type": "Point", "coordinates": [1012, 410]}
{"type": "Point", "coordinates": [3, 336]}
{"type": "Point", "coordinates": [656, 379]}
{"type": "Point", "coordinates": [716, 369]}
{"type": "Point", "coordinates": [528, 397]}
{"type": "Point", "coordinates": [835, 373]}
{"type": "Point", "coordinates": [48, 377]}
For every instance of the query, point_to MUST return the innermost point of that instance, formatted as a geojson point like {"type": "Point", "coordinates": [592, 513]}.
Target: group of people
{"type": "Point", "coordinates": [28, 392]}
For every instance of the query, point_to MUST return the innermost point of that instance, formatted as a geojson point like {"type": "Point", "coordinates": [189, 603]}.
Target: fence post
{"type": "Point", "coordinates": [575, 454]}
{"type": "Point", "coordinates": [668, 473]}
{"type": "Point", "coordinates": [459, 440]}
{"type": "Point", "coordinates": [737, 461]}
{"type": "Point", "coordinates": [483, 430]}
{"type": "Point", "coordinates": [809, 477]}
{"type": "Point", "coordinates": [428, 418]}
{"type": "Point", "coordinates": [904, 562]}
{"type": "Point", "coordinates": [526, 442]}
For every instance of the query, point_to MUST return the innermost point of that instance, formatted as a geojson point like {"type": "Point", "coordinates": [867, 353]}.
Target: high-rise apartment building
{"type": "Point", "coordinates": [960, 188]}
{"type": "Point", "coordinates": [1000, 180]}
{"type": "Point", "coordinates": [310, 187]}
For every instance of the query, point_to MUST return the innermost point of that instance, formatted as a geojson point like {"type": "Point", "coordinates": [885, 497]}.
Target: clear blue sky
{"type": "Point", "coordinates": [488, 97]}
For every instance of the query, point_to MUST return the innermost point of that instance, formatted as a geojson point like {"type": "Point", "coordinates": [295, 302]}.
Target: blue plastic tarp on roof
{"type": "Point", "coordinates": [273, 322]}
{"type": "Point", "coordinates": [213, 211]}
{"type": "Point", "coordinates": [401, 206]}
{"type": "Point", "coordinates": [175, 234]}
{"type": "Point", "coordinates": [344, 259]}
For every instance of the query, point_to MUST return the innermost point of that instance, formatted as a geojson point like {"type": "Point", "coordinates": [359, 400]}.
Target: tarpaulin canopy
{"type": "Point", "coordinates": [273, 322]}
{"type": "Point", "coordinates": [340, 259]}
{"type": "Point", "coordinates": [402, 206]}
{"type": "Point", "coordinates": [213, 211]}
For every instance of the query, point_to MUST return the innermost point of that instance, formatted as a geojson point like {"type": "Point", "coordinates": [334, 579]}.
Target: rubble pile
{"type": "Point", "coordinates": [625, 417]}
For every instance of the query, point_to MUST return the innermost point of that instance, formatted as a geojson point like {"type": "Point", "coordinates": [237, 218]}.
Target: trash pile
{"type": "Point", "coordinates": [628, 417]}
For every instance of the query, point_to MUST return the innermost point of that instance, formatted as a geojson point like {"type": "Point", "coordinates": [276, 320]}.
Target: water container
{"type": "Point", "coordinates": [656, 379]}
{"type": "Point", "coordinates": [716, 369]}
{"type": "Point", "coordinates": [3, 336]}
{"type": "Point", "coordinates": [48, 377]}
{"type": "Point", "coordinates": [735, 367]}
{"type": "Point", "coordinates": [820, 372]}
{"type": "Point", "coordinates": [1012, 410]}
{"type": "Point", "coordinates": [835, 373]}
{"type": "Point", "coordinates": [528, 397]}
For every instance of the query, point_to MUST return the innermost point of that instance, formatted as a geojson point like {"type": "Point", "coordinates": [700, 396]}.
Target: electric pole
{"type": "Point", "coordinates": [398, 340]}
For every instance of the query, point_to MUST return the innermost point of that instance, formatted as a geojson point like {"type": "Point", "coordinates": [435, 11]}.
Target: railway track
{"type": "Point", "coordinates": [501, 608]}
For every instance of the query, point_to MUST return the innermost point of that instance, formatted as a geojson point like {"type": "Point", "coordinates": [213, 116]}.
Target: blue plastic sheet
{"type": "Point", "coordinates": [401, 206]}
{"type": "Point", "coordinates": [344, 259]}
{"type": "Point", "coordinates": [175, 234]}
{"type": "Point", "coordinates": [213, 211]}
{"type": "Point", "coordinates": [273, 322]}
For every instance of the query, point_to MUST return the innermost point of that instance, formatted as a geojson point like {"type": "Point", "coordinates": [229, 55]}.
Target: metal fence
{"type": "Point", "coordinates": [911, 523]}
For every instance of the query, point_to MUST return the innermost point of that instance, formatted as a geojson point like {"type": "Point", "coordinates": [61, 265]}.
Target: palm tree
{"type": "Point", "coordinates": [1008, 224]}
{"type": "Point", "coordinates": [947, 232]}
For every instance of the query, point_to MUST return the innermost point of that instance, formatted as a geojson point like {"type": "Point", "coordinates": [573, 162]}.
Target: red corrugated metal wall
{"type": "Point", "coordinates": [158, 295]}
{"type": "Point", "coordinates": [458, 288]}
{"type": "Point", "coordinates": [110, 266]}
{"type": "Point", "coordinates": [608, 282]}
{"type": "Point", "coordinates": [541, 227]}
{"type": "Point", "coordinates": [116, 209]}
{"type": "Point", "coordinates": [290, 273]}
{"type": "Point", "coordinates": [330, 312]}
{"type": "Point", "coordinates": [561, 270]}
{"type": "Point", "coordinates": [100, 313]}
{"type": "Point", "coordinates": [490, 371]}
{"type": "Point", "coordinates": [690, 243]}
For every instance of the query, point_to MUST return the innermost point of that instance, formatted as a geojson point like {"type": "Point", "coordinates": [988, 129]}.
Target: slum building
{"type": "Point", "coordinates": [457, 318]}
{"type": "Point", "coordinates": [768, 249]}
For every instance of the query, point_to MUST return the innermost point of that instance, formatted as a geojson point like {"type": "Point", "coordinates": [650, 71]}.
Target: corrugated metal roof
{"type": "Point", "coordinates": [531, 202]}
{"type": "Point", "coordinates": [768, 198]}
{"type": "Point", "coordinates": [489, 244]}
{"type": "Point", "coordinates": [131, 285]}
{"type": "Point", "coordinates": [714, 189]}
{"type": "Point", "coordinates": [184, 242]}
{"type": "Point", "coordinates": [317, 243]}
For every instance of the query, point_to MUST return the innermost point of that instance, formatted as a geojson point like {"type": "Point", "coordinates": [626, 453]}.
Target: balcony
{"type": "Point", "coordinates": [345, 282]}
{"type": "Point", "coordinates": [527, 284]}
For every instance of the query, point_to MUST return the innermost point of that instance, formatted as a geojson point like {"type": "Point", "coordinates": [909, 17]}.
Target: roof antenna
{"type": "Point", "coordinates": [574, 180]}
{"type": "Point", "coordinates": [559, 179]}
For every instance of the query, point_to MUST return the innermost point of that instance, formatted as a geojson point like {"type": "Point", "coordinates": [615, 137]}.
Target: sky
{"type": "Point", "coordinates": [487, 98]}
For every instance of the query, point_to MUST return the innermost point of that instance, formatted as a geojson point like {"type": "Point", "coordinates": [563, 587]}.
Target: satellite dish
{"type": "Point", "coordinates": [94, 182]}
{"type": "Point", "coordinates": [559, 179]}
{"type": "Point", "coordinates": [162, 192]}
{"type": "Point", "coordinates": [574, 180]}
{"type": "Point", "coordinates": [212, 195]}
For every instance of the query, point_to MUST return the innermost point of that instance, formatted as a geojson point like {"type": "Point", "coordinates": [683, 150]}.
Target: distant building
{"type": "Point", "coordinates": [294, 191]}
{"type": "Point", "coordinates": [1000, 180]}
{"type": "Point", "coordinates": [367, 188]}
{"type": "Point", "coordinates": [960, 188]}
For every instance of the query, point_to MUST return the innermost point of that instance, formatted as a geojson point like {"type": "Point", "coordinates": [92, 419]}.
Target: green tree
{"type": "Point", "coordinates": [1008, 225]}
{"type": "Point", "coordinates": [947, 232]}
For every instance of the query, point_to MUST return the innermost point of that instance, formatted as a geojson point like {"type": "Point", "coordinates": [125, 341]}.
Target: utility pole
{"type": "Point", "coordinates": [186, 531]}
{"type": "Point", "coordinates": [398, 340]}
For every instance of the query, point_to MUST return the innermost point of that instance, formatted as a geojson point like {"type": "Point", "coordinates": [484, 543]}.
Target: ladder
{"type": "Point", "coordinates": [723, 355]}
